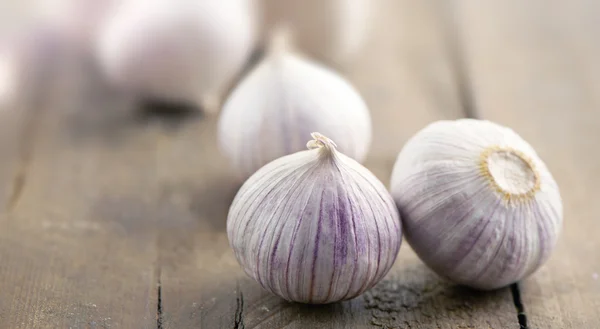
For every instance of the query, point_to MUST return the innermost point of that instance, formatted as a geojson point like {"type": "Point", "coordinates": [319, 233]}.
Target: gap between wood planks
{"type": "Point", "coordinates": [159, 312]}
{"type": "Point", "coordinates": [463, 81]}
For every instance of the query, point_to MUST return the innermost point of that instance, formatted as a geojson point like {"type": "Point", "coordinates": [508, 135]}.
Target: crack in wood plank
{"type": "Point", "coordinates": [238, 321]}
{"type": "Point", "coordinates": [159, 311]}
{"type": "Point", "coordinates": [521, 316]}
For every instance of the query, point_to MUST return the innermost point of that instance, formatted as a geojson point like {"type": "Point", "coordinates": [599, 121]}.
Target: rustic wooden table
{"type": "Point", "coordinates": [111, 218]}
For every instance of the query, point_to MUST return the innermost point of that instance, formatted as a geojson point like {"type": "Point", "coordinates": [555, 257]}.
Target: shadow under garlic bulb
{"type": "Point", "coordinates": [478, 205]}
{"type": "Point", "coordinates": [314, 226]}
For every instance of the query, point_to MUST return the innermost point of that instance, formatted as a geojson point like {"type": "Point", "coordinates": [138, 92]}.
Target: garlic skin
{"type": "Point", "coordinates": [180, 51]}
{"type": "Point", "coordinates": [332, 31]}
{"type": "Point", "coordinates": [478, 205]}
{"type": "Point", "coordinates": [314, 226]}
{"type": "Point", "coordinates": [281, 101]}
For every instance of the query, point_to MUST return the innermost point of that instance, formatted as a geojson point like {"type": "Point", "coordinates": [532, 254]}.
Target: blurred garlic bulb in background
{"type": "Point", "coordinates": [28, 58]}
{"type": "Point", "coordinates": [8, 76]}
{"type": "Point", "coordinates": [314, 226]}
{"type": "Point", "coordinates": [478, 205]}
{"type": "Point", "coordinates": [77, 20]}
{"type": "Point", "coordinates": [281, 101]}
{"type": "Point", "coordinates": [332, 31]}
{"type": "Point", "coordinates": [177, 50]}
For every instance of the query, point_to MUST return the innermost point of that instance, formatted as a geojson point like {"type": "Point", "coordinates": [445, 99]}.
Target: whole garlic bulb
{"type": "Point", "coordinates": [181, 51]}
{"type": "Point", "coordinates": [333, 31]}
{"type": "Point", "coordinates": [284, 99]}
{"type": "Point", "coordinates": [314, 226]}
{"type": "Point", "coordinates": [77, 20]}
{"type": "Point", "coordinates": [478, 205]}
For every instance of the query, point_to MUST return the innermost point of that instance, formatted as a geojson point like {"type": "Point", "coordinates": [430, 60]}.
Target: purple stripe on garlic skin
{"type": "Point", "coordinates": [314, 226]}
{"type": "Point", "coordinates": [478, 205]}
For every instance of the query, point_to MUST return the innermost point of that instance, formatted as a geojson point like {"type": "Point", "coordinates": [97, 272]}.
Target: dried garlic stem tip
{"type": "Point", "coordinates": [510, 172]}
{"type": "Point", "coordinates": [321, 142]}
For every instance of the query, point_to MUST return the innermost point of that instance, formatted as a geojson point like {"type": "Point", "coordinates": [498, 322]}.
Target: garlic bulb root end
{"type": "Point", "coordinates": [510, 172]}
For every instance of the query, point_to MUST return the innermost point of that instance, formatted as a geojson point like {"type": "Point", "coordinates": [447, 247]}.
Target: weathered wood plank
{"type": "Point", "coordinates": [407, 81]}
{"type": "Point", "coordinates": [78, 242]}
{"type": "Point", "coordinates": [534, 67]}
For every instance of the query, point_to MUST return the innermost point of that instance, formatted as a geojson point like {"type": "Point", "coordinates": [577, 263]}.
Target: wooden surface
{"type": "Point", "coordinates": [113, 216]}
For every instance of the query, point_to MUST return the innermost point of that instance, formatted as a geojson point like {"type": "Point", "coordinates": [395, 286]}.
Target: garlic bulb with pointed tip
{"type": "Point", "coordinates": [314, 226]}
{"type": "Point", "coordinates": [478, 205]}
{"type": "Point", "coordinates": [181, 51]}
{"type": "Point", "coordinates": [332, 31]}
{"type": "Point", "coordinates": [273, 109]}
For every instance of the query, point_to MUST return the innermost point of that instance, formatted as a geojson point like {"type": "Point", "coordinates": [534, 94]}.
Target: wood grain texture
{"type": "Point", "coordinates": [407, 81]}
{"type": "Point", "coordinates": [78, 244]}
{"type": "Point", "coordinates": [534, 67]}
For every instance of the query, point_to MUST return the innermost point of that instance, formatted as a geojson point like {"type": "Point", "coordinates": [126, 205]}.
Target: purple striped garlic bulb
{"type": "Point", "coordinates": [478, 205]}
{"type": "Point", "coordinates": [314, 226]}
{"type": "Point", "coordinates": [284, 99]}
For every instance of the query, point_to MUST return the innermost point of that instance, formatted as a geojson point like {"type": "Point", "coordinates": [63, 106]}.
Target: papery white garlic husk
{"type": "Point", "coordinates": [177, 50]}
{"type": "Point", "coordinates": [332, 31]}
{"type": "Point", "coordinates": [478, 205]}
{"type": "Point", "coordinates": [281, 101]}
{"type": "Point", "coordinates": [314, 226]}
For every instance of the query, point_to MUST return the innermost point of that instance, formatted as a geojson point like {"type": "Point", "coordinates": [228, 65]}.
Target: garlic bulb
{"type": "Point", "coordinates": [28, 60]}
{"type": "Point", "coordinates": [77, 20]}
{"type": "Point", "coordinates": [478, 205]}
{"type": "Point", "coordinates": [281, 101]}
{"type": "Point", "coordinates": [8, 77]}
{"type": "Point", "coordinates": [314, 226]}
{"type": "Point", "coordinates": [333, 31]}
{"type": "Point", "coordinates": [181, 51]}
